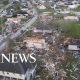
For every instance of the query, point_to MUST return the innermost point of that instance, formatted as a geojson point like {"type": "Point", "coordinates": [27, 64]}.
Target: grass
{"type": "Point", "coordinates": [73, 29]}
{"type": "Point", "coordinates": [2, 20]}
{"type": "Point", "coordinates": [69, 28]}
{"type": "Point", "coordinates": [68, 64]}
{"type": "Point", "coordinates": [77, 9]}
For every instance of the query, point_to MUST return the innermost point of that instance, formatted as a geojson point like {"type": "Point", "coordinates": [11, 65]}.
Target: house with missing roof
{"type": "Point", "coordinates": [42, 29]}
{"type": "Point", "coordinates": [36, 42]}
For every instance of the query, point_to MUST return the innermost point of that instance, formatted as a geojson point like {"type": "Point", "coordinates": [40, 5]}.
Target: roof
{"type": "Point", "coordinates": [75, 42]}
{"type": "Point", "coordinates": [73, 47]}
{"type": "Point", "coordinates": [22, 12]}
{"type": "Point", "coordinates": [71, 17]}
{"type": "Point", "coordinates": [16, 20]}
{"type": "Point", "coordinates": [43, 27]}
{"type": "Point", "coordinates": [41, 7]}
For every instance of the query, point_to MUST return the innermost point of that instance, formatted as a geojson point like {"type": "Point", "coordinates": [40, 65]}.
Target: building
{"type": "Point", "coordinates": [72, 18]}
{"type": "Point", "coordinates": [41, 7]}
{"type": "Point", "coordinates": [43, 29]}
{"type": "Point", "coordinates": [15, 20]}
{"type": "Point", "coordinates": [73, 47]}
{"type": "Point", "coordinates": [35, 42]}
{"type": "Point", "coordinates": [72, 6]}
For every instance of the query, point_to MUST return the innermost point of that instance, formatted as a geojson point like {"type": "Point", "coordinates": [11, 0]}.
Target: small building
{"type": "Point", "coordinates": [75, 2]}
{"type": "Point", "coordinates": [15, 20]}
{"type": "Point", "coordinates": [64, 12]}
{"type": "Point", "coordinates": [41, 7]}
{"type": "Point", "coordinates": [43, 29]}
{"type": "Point", "coordinates": [73, 47]}
{"type": "Point", "coordinates": [35, 42]}
{"type": "Point", "coordinates": [61, 3]}
{"type": "Point", "coordinates": [72, 6]}
{"type": "Point", "coordinates": [72, 18]}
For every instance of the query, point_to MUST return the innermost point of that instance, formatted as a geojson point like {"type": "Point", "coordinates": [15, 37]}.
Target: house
{"type": "Point", "coordinates": [45, 17]}
{"type": "Point", "coordinates": [39, 30]}
{"type": "Point", "coordinates": [15, 20]}
{"type": "Point", "coordinates": [64, 12]}
{"type": "Point", "coordinates": [23, 12]}
{"type": "Point", "coordinates": [41, 7]}
{"type": "Point", "coordinates": [42, 29]}
{"type": "Point", "coordinates": [72, 18]}
{"type": "Point", "coordinates": [75, 2]}
{"type": "Point", "coordinates": [72, 6]}
{"type": "Point", "coordinates": [74, 45]}
{"type": "Point", "coordinates": [61, 3]}
{"type": "Point", "coordinates": [24, 9]}
{"type": "Point", "coordinates": [35, 42]}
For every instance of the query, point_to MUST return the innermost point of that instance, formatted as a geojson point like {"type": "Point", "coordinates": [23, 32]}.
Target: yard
{"type": "Point", "coordinates": [73, 29]}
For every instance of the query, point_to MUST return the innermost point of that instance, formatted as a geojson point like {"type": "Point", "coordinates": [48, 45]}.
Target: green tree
{"type": "Point", "coordinates": [16, 8]}
{"type": "Point", "coordinates": [5, 2]}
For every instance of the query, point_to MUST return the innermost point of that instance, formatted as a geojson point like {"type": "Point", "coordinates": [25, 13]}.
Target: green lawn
{"type": "Point", "coordinates": [73, 29]}
{"type": "Point", "coordinates": [77, 9]}
{"type": "Point", "coordinates": [2, 20]}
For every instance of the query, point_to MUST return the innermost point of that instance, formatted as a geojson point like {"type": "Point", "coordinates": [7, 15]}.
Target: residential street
{"type": "Point", "coordinates": [18, 33]}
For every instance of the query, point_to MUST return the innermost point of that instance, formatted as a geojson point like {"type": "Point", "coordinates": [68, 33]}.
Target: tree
{"type": "Point", "coordinates": [5, 2]}
{"type": "Point", "coordinates": [2, 21]}
{"type": "Point", "coordinates": [16, 8]}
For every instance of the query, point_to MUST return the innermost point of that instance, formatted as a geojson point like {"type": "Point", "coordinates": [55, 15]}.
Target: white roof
{"type": "Point", "coordinates": [73, 47]}
{"type": "Point", "coordinates": [71, 18]}
{"type": "Point", "coordinates": [41, 7]}
{"type": "Point", "coordinates": [72, 6]}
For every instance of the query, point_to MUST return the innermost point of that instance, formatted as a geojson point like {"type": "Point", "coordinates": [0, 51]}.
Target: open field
{"type": "Point", "coordinates": [69, 28]}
